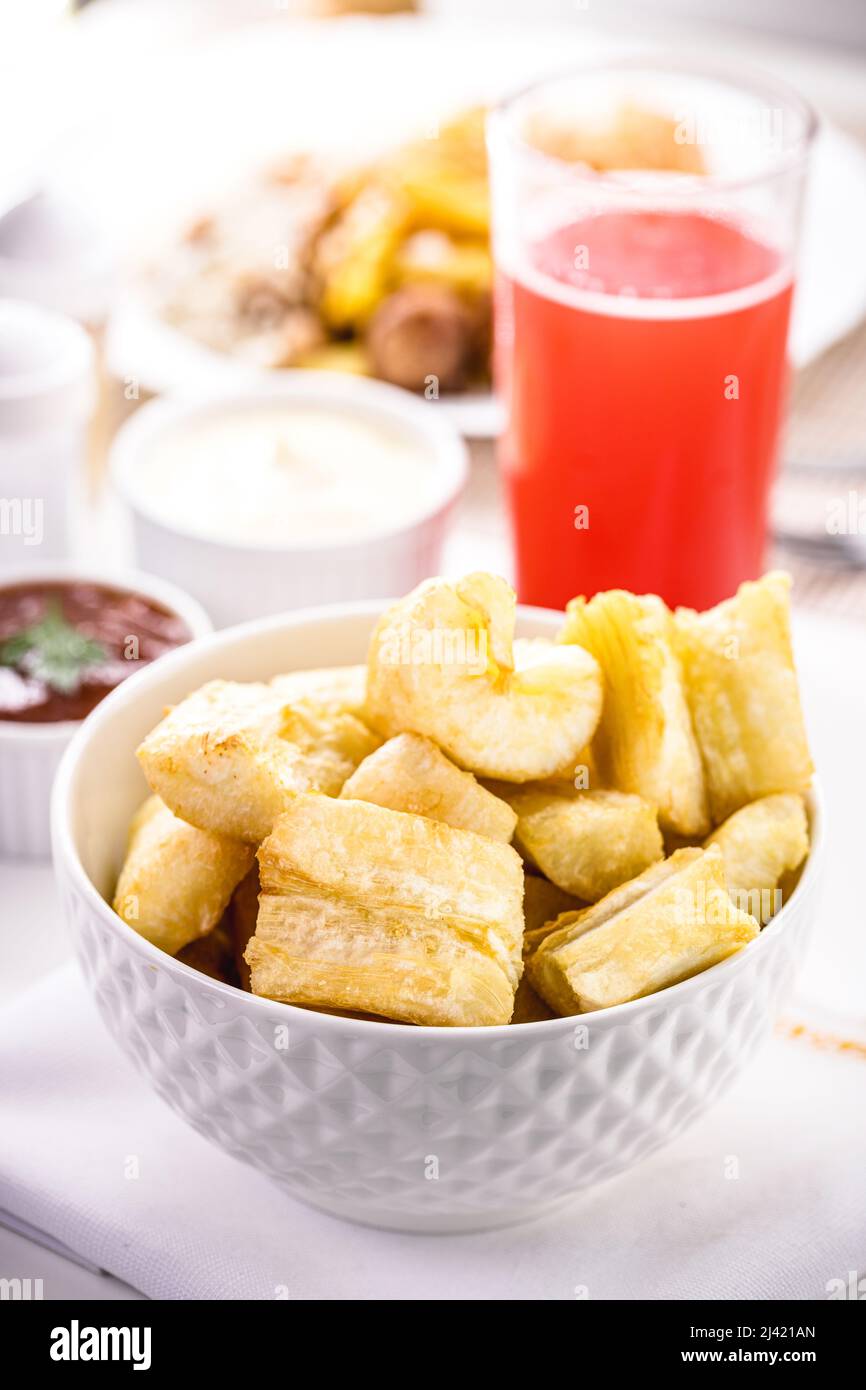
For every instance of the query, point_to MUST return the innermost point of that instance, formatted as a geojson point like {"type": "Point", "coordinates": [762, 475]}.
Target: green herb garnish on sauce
{"type": "Point", "coordinates": [52, 651]}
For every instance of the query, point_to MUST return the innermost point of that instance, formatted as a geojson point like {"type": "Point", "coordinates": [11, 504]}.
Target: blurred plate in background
{"type": "Point", "coordinates": [201, 121]}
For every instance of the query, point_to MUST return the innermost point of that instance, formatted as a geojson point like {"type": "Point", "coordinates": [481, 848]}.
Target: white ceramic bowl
{"type": "Point", "coordinates": [30, 753]}
{"type": "Point", "coordinates": [411, 1128]}
{"type": "Point", "coordinates": [235, 581]}
{"type": "Point", "coordinates": [47, 392]}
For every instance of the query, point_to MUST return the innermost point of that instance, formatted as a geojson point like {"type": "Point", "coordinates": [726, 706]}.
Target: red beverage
{"type": "Point", "coordinates": [641, 355]}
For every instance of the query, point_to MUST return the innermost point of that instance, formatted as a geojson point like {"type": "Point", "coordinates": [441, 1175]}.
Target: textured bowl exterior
{"type": "Point", "coordinates": [420, 1128]}
{"type": "Point", "coordinates": [395, 1127]}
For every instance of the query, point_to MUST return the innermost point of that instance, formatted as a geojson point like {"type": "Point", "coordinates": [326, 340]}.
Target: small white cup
{"type": "Point", "coordinates": [30, 753]}
{"type": "Point", "coordinates": [52, 254]}
{"type": "Point", "coordinates": [46, 396]}
{"type": "Point", "coordinates": [237, 581]}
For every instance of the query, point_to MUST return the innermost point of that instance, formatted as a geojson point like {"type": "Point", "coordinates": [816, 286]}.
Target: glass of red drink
{"type": "Point", "coordinates": [641, 324]}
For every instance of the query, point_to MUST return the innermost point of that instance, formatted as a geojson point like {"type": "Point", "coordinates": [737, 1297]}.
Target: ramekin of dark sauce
{"type": "Point", "coordinates": [67, 639]}
{"type": "Point", "coordinates": [63, 647]}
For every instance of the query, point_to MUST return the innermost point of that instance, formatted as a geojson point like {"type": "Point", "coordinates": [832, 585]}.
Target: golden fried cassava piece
{"type": "Point", "coordinates": [241, 919]}
{"type": "Point", "coordinates": [581, 775]}
{"type": "Point", "coordinates": [760, 843]}
{"type": "Point", "coordinates": [176, 881]}
{"type": "Point", "coordinates": [212, 955]}
{"type": "Point", "coordinates": [443, 663]}
{"type": "Point", "coordinates": [529, 1007]}
{"type": "Point", "coordinates": [543, 902]}
{"type": "Point", "coordinates": [584, 842]}
{"type": "Point", "coordinates": [742, 689]}
{"type": "Point", "coordinates": [673, 921]}
{"type": "Point", "coordinates": [408, 773]}
{"type": "Point", "coordinates": [231, 756]}
{"type": "Point", "coordinates": [378, 911]}
{"type": "Point", "coordinates": [334, 689]}
{"type": "Point", "coordinates": [645, 743]}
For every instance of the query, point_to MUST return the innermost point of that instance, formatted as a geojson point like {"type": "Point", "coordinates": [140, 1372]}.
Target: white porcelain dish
{"type": "Point", "coordinates": [47, 390]}
{"type": "Point", "coordinates": [239, 581]}
{"type": "Point", "coordinates": [410, 1128]}
{"type": "Point", "coordinates": [30, 753]}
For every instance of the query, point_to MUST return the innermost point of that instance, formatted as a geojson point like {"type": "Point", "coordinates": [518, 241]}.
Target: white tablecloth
{"type": "Point", "coordinates": [764, 1198]}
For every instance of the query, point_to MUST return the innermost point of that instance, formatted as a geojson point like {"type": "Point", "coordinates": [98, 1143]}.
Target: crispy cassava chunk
{"type": "Point", "coordinates": [543, 902]}
{"type": "Point", "coordinates": [742, 689]}
{"type": "Point", "coordinates": [760, 843]}
{"type": "Point", "coordinates": [673, 921]}
{"type": "Point", "coordinates": [379, 911]}
{"type": "Point", "coordinates": [231, 756]}
{"type": "Point", "coordinates": [241, 918]}
{"type": "Point", "coordinates": [584, 842]}
{"type": "Point", "coordinates": [529, 1007]}
{"type": "Point", "coordinates": [645, 743]}
{"type": "Point", "coordinates": [176, 881]}
{"type": "Point", "coordinates": [212, 955]}
{"type": "Point", "coordinates": [581, 775]}
{"type": "Point", "coordinates": [408, 773]}
{"type": "Point", "coordinates": [335, 689]}
{"type": "Point", "coordinates": [443, 663]}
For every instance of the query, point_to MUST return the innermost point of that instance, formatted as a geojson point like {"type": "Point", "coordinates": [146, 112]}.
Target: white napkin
{"type": "Point", "coordinates": [764, 1198]}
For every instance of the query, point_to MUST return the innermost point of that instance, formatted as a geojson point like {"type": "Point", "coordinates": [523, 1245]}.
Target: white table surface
{"type": "Point", "coordinates": [33, 942]}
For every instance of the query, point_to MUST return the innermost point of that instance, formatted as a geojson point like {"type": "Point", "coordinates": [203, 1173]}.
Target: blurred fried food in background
{"type": "Point", "coordinates": [239, 282]}
{"type": "Point", "coordinates": [381, 270]}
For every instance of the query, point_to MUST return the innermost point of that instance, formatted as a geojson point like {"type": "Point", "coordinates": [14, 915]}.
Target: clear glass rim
{"type": "Point", "coordinates": [501, 132]}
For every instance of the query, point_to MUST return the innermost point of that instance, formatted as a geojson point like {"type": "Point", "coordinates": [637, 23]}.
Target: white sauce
{"type": "Point", "coordinates": [277, 474]}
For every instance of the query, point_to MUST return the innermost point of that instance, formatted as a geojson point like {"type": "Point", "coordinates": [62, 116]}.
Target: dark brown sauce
{"type": "Point", "coordinates": [130, 629]}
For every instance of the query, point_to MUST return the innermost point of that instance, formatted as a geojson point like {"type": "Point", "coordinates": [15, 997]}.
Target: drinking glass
{"type": "Point", "coordinates": [641, 322]}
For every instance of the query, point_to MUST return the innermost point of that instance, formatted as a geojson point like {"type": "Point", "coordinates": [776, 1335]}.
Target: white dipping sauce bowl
{"type": "Point", "coordinates": [30, 753]}
{"type": "Point", "coordinates": [348, 1116]}
{"type": "Point", "coordinates": [236, 581]}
